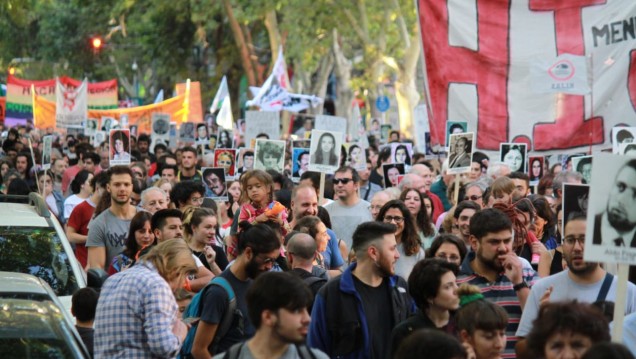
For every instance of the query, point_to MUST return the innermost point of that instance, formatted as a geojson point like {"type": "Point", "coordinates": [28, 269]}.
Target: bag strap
{"type": "Point", "coordinates": [607, 282]}
{"type": "Point", "coordinates": [304, 352]}
{"type": "Point", "coordinates": [234, 351]}
{"type": "Point", "coordinates": [228, 317]}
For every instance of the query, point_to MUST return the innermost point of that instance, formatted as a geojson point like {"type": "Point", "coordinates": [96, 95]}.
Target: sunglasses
{"type": "Point", "coordinates": [341, 180]}
{"type": "Point", "coordinates": [472, 198]}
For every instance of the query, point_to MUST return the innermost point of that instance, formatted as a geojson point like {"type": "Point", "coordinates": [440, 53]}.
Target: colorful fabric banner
{"type": "Point", "coordinates": [101, 95]}
{"type": "Point", "coordinates": [481, 71]}
{"type": "Point", "coordinates": [137, 116]}
{"type": "Point", "coordinates": [71, 105]}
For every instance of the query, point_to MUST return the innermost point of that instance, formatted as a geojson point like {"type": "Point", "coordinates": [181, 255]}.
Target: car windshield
{"type": "Point", "coordinates": [37, 251]}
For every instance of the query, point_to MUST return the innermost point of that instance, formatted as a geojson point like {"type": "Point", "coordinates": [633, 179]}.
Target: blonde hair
{"type": "Point", "coordinates": [172, 258]}
{"type": "Point", "coordinates": [502, 186]}
{"type": "Point", "coordinates": [262, 177]}
{"type": "Point", "coordinates": [193, 216]}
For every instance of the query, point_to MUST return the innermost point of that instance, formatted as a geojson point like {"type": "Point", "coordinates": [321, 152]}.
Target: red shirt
{"type": "Point", "coordinates": [438, 206]}
{"type": "Point", "coordinates": [81, 215]}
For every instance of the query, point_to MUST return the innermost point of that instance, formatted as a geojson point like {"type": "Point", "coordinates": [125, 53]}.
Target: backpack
{"type": "Point", "coordinates": [193, 310]}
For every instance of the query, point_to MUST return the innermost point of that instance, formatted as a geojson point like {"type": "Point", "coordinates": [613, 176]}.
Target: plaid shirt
{"type": "Point", "coordinates": [135, 315]}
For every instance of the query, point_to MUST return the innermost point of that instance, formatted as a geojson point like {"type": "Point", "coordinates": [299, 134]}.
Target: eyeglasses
{"type": "Point", "coordinates": [376, 208]}
{"type": "Point", "coordinates": [396, 219]}
{"type": "Point", "coordinates": [570, 240]}
{"type": "Point", "coordinates": [472, 198]}
{"type": "Point", "coordinates": [341, 180]}
{"type": "Point", "coordinates": [449, 258]}
{"type": "Point", "coordinates": [266, 260]}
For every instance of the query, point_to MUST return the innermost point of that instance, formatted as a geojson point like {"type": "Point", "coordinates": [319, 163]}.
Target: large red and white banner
{"type": "Point", "coordinates": [556, 74]}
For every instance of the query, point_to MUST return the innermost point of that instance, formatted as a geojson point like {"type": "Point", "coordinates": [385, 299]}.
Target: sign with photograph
{"type": "Point", "coordinates": [325, 151]}
{"type": "Point", "coordinates": [460, 154]}
{"type": "Point", "coordinates": [215, 183]}
{"type": "Point", "coordinates": [514, 155]}
{"type": "Point", "coordinates": [270, 155]}
{"type": "Point", "coordinates": [119, 147]}
{"type": "Point", "coordinates": [392, 172]}
{"type": "Point", "coordinates": [262, 122]}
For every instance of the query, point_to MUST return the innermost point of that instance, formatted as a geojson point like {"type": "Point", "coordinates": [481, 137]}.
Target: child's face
{"type": "Point", "coordinates": [257, 191]}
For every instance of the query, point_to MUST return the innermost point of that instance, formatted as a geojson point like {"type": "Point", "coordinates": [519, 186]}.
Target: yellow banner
{"type": "Point", "coordinates": [44, 113]}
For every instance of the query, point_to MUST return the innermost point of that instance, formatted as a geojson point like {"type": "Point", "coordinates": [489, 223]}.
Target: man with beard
{"type": "Point", "coordinates": [188, 169]}
{"type": "Point", "coordinates": [304, 202]}
{"type": "Point", "coordinates": [108, 231]}
{"type": "Point", "coordinates": [503, 277]}
{"type": "Point", "coordinates": [258, 248]}
{"type": "Point", "coordinates": [583, 281]}
{"type": "Point", "coordinates": [617, 226]}
{"type": "Point", "coordinates": [277, 304]}
{"type": "Point", "coordinates": [353, 314]}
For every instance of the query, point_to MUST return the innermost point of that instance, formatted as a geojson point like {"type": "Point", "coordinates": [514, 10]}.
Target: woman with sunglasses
{"type": "Point", "coordinates": [408, 241]}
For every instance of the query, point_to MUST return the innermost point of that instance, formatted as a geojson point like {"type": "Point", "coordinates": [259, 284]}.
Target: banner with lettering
{"type": "Point", "coordinates": [555, 74]}
{"type": "Point", "coordinates": [101, 95]}
{"type": "Point", "coordinates": [71, 105]}
{"type": "Point", "coordinates": [137, 116]}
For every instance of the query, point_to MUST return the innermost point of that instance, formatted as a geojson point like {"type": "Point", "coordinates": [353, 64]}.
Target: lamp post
{"type": "Point", "coordinates": [136, 82]}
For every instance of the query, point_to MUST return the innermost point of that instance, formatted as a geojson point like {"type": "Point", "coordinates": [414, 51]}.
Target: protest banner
{"type": "Point", "coordinates": [521, 78]}
{"type": "Point", "coordinates": [257, 122]}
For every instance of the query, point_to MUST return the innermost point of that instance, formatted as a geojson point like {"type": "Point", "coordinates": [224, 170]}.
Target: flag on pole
{"type": "Point", "coordinates": [280, 70]}
{"type": "Point", "coordinates": [221, 94]}
{"type": "Point", "coordinates": [71, 105]}
{"type": "Point", "coordinates": [159, 97]}
{"type": "Point", "coordinates": [225, 119]}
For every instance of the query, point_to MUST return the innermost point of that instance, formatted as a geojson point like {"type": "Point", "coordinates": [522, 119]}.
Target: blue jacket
{"type": "Point", "coordinates": [338, 323]}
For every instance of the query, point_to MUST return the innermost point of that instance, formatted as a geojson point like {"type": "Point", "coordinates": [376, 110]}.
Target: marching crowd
{"type": "Point", "coordinates": [479, 265]}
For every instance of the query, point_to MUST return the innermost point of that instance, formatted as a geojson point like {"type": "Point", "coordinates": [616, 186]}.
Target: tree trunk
{"type": "Point", "coordinates": [239, 38]}
{"type": "Point", "coordinates": [343, 78]}
{"type": "Point", "coordinates": [319, 87]}
{"type": "Point", "coordinates": [406, 91]}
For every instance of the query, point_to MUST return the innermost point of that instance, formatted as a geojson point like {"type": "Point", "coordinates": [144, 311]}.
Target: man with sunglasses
{"type": "Point", "coordinates": [583, 281]}
{"type": "Point", "coordinates": [258, 248]}
{"type": "Point", "coordinates": [349, 210]}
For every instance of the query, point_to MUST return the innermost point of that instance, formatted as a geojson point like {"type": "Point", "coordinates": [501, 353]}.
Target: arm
{"type": "Point", "coordinates": [545, 262]}
{"type": "Point", "coordinates": [204, 276]}
{"type": "Point", "coordinates": [160, 311]}
{"type": "Point", "coordinates": [202, 339]}
{"type": "Point", "coordinates": [96, 245]}
{"type": "Point", "coordinates": [96, 257]}
{"type": "Point", "coordinates": [73, 236]}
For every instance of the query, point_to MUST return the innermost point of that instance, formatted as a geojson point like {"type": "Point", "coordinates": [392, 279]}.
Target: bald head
{"type": "Point", "coordinates": [303, 246]}
{"type": "Point", "coordinates": [412, 181]}
{"type": "Point", "coordinates": [378, 200]}
{"type": "Point", "coordinates": [423, 171]}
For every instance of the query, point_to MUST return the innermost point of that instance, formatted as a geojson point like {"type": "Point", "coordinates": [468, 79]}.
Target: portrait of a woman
{"type": "Point", "coordinates": [325, 152]}
{"type": "Point", "coordinates": [514, 156]}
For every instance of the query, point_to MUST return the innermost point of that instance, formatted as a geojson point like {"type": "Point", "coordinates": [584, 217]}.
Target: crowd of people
{"type": "Point", "coordinates": [479, 265]}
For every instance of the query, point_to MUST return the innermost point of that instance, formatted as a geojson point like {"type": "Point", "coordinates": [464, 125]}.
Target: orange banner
{"type": "Point", "coordinates": [44, 113]}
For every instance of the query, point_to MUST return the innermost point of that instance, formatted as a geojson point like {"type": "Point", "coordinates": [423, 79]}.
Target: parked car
{"type": "Point", "coordinates": [32, 241]}
{"type": "Point", "coordinates": [37, 329]}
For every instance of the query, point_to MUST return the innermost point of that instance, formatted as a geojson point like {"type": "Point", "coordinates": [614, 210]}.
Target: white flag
{"type": "Point", "coordinates": [271, 96]}
{"type": "Point", "coordinates": [71, 105]}
{"type": "Point", "coordinates": [220, 96]}
{"type": "Point", "coordinates": [280, 70]}
{"type": "Point", "coordinates": [224, 118]}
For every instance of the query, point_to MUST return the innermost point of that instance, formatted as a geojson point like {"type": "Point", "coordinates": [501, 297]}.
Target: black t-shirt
{"type": "Point", "coordinates": [315, 286]}
{"type": "Point", "coordinates": [376, 302]}
{"type": "Point", "coordinates": [87, 337]}
{"type": "Point", "coordinates": [215, 304]}
{"type": "Point", "coordinates": [374, 177]}
{"type": "Point", "coordinates": [220, 259]}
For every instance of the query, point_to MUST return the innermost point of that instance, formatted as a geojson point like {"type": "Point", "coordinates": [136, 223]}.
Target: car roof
{"type": "Point", "coordinates": [21, 317]}
{"type": "Point", "coordinates": [21, 283]}
{"type": "Point", "coordinates": [21, 215]}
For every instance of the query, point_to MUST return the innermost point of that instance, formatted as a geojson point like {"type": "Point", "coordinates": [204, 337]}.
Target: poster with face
{"type": "Point", "coordinates": [392, 171]}
{"type": "Point", "coordinates": [119, 147]}
{"type": "Point", "coordinates": [401, 153]}
{"type": "Point", "coordinates": [628, 149]}
{"type": "Point", "coordinates": [536, 168]}
{"type": "Point", "coordinates": [460, 154]}
{"type": "Point", "coordinates": [328, 123]}
{"type": "Point", "coordinates": [583, 165]}
{"type": "Point", "coordinates": [107, 123]}
{"type": "Point", "coordinates": [356, 157]}
{"type": "Point", "coordinates": [215, 183]}
{"type": "Point", "coordinates": [47, 143]}
{"type": "Point", "coordinates": [455, 127]}
{"type": "Point", "coordinates": [300, 162]}
{"type": "Point", "coordinates": [270, 155]}
{"type": "Point", "coordinates": [91, 127]}
{"type": "Point", "coordinates": [262, 122]}
{"type": "Point", "coordinates": [622, 135]}
{"type": "Point", "coordinates": [99, 138]}
{"type": "Point", "coordinates": [133, 130]}
{"type": "Point", "coordinates": [224, 138]}
{"type": "Point", "coordinates": [384, 133]}
{"type": "Point", "coordinates": [160, 124]}
{"type": "Point", "coordinates": [201, 134]}
{"type": "Point", "coordinates": [224, 158]}
{"type": "Point", "coordinates": [514, 155]}
{"type": "Point", "coordinates": [610, 233]}
{"type": "Point", "coordinates": [173, 135]}
{"type": "Point", "coordinates": [123, 121]}
{"type": "Point", "coordinates": [325, 151]}
{"type": "Point", "coordinates": [245, 160]}
{"type": "Point", "coordinates": [575, 200]}
{"type": "Point", "coordinates": [187, 133]}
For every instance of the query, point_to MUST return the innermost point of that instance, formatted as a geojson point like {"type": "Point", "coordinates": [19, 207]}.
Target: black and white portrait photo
{"type": "Point", "coordinates": [325, 151]}
{"type": "Point", "coordinates": [622, 136]}
{"type": "Point", "coordinates": [187, 132]}
{"type": "Point", "coordinates": [91, 127]}
{"type": "Point", "coordinates": [583, 165]}
{"type": "Point", "coordinates": [270, 155]}
{"type": "Point", "coordinates": [453, 128]}
{"type": "Point", "coordinates": [460, 152]}
{"type": "Point", "coordinates": [611, 220]}
{"type": "Point", "coordinates": [514, 155]}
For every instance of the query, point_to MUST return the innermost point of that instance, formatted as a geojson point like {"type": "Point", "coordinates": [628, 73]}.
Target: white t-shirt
{"type": "Point", "coordinates": [345, 220]}
{"type": "Point", "coordinates": [70, 203]}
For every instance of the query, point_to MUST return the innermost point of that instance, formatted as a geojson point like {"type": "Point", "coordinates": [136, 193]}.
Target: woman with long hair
{"type": "Point", "coordinates": [415, 203]}
{"type": "Point", "coordinates": [140, 236]}
{"type": "Point", "coordinates": [200, 230]}
{"type": "Point", "coordinates": [402, 155]}
{"type": "Point", "coordinates": [81, 188]}
{"type": "Point", "coordinates": [326, 151]}
{"type": "Point", "coordinates": [408, 241]}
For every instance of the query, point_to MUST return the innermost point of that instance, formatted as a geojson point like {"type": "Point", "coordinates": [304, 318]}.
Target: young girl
{"type": "Point", "coordinates": [481, 324]}
{"type": "Point", "coordinates": [258, 204]}
{"type": "Point", "coordinates": [200, 227]}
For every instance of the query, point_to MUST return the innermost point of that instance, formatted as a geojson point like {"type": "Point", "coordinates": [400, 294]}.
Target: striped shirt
{"type": "Point", "coordinates": [500, 292]}
{"type": "Point", "coordinates": [135, 315]}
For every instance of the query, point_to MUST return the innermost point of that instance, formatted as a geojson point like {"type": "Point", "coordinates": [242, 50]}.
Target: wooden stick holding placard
{"type": "Point", "coordinates": [619, 305]}
{"type": "Point", "coordinates": [456, 191]}
{"type": "Point", "coordinates": [321, 193]}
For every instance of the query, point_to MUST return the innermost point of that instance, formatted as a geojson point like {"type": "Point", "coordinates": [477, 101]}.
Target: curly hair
{"type": "Point", "coordinates": [426, 278]}
{"type": "Point", "coordinates": [409, 237]}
